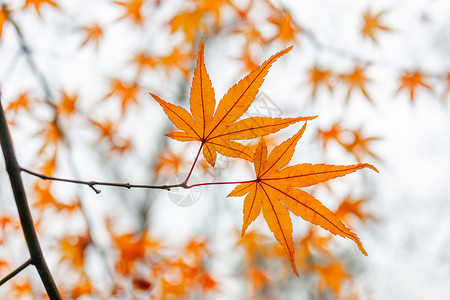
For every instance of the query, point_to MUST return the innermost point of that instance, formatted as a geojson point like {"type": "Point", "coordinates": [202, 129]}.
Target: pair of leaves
{"type": "Point", "coordinates": [275, 190]}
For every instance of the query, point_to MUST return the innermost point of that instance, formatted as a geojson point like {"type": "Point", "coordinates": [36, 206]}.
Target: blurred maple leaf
{"type": "Point", "coordinates": [52, 135]}
{"type": "Point", "coordinates": [3, 18]}
{"type": "Point", "coordinates": [274, 191]}
{"type": "Point", "coordinates": [327, 135]}
{"type": "Point", "coordinates": [217, 130]}
{"type": "Point", "coordinates": [372, 24]}
{"type": "Point", "coordinates": [93, 34]}
{"type": "Point", "coordinates": [352, 207]}
{"type": "Point", "coordinates": [359, 147]}
{"type": "Point", "coordinates": [132, 10]}
{"type": "Point", "coordinates": [66, 106]}
{"type": "Point", "coordinates": [144, 61]}
{"type": "Point", "coordinates": [332, 276]}
{"type": "Point", "coordinates": [126, 92]}
{"type": "Point", "coordinates": [287, 28]}
{"type": "Point", "coordinates": [73, 249]}
{"type": "Point", "coordinates": [44, 199]}
{"type": "Point", "coordinates": [83, 287]}
{"type": "Point", "coordinates": [356, 79]}
{"type": "Point", "coordinates": [179, 58]}
{"type": "Point", "coordinates": [22, 102]}
{"type": "Point", "coordinates": [411, 81]}
{"type": "Point", "coordinates": [168, 161]}
{"type": "Point", "coordinates": [190, 23]}
{"type": "Point", "coordinates": [37, 4]}
{"type": "Point", "coordinates": [318, 77]}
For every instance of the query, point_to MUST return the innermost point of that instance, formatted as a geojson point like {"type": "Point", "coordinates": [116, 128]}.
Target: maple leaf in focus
{"type": "Point", "coordinates": [37, 4]}
{"type": "Point", "coordinates": [318, 77]}
{"type": "Point", "coordinates": [217, 130]}
{"type": "Point", "coordinates": [93, 33]}
{"type": "Point", "coordinates": [275, 192]}
{"type": "Point", "coordinates": [411, 81]}
{"type": "Point", "coordinates": [132, 10]}
{"type": "Point", "coordinates": [372, 24]}
{"type": "Point", "coordinates": [356, 79]}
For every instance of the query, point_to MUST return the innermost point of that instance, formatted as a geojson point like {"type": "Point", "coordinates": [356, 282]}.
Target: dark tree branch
{"type": "Point", "coordinates": [26, 220]}
{"type": "Point", "coordinates": [15, 272]}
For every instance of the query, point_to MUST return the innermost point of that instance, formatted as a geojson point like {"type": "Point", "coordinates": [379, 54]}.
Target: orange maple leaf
{"type": "Point", "coordinates": [22, 102]}
{"type": "Point", "coordinates": [3, 18]}
{"type": "Point", "coordinates": [356, 79]}
{"type": "Point", "coordinates": [132, 10]}
{"type": "Point", "coordinates": [331, 277]}
{"type": "Point", "coordinates": [411, 81]}
{"type": "Point", "coordinates": [143, 61]}
{"type": "Point", "coordinates": [352, 207]}
{"type": "Point", "coordinates": [127, 92]}
{"type": "Point", "coordinates": [317, 77]}
{"type": "Point", "coordinates": [372, 24]}
{"type": "Point", "coordinates": [360, 145]}
{"type": "Point", "coordinates": [73, 249]}
{"type": "Point", "coordinates": [37, 4]}
{"type": "Point", "coordinates": [93, 34]}
{"type": "Point", "coordinates": [275, 191]}
{"type": "Point", "coordinates": [67, 104]}
{"type": "Point", "coordinates": [217, 130]}
{"type": "Point", "coordinates": [287, 28]}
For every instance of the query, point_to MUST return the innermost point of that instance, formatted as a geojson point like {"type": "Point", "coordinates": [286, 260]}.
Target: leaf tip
{"type": "Point", "coordinates": [371, 167]}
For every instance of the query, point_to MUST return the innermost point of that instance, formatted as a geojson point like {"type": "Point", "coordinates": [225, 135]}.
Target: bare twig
{"type": "Point", "coordinates": [92, 184]}
{"type": "Point", "coordinates": [15, 272]}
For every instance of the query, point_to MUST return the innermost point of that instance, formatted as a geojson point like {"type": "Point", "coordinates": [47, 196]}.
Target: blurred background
{"type": "Point", "coordinates": [75, 77]}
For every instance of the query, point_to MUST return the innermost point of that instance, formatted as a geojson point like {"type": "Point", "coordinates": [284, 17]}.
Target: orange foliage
{"type": "Point", "coordinates": [356, 79]}
{"type": "Point", "coordinates": [36, 4]}
{"type": "Point", "coordinates": [93, 34]}
{"type": "Point", "coordinates": [410, 81]}
{"type": "Point", "coordinates": [217, 130]}
{"type": "Point", "coordinates": [126, 92]}
{"type": "Point", "coordinates": [372, 24]}
{"type": "Point", "coordinates": [274, 192]}
{"type": "Point", "coordinates": [3, 18]}
{"type": "Point", "coordinates": [132, 10]}
{"type": "Point", "coordinates": [318, 77]}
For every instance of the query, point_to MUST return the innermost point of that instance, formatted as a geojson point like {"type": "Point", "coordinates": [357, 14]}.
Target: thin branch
{"type": "Point", "coordinates": [218, 183]}
{"type": "Point", "coordinates": [15, 272]}
{"type": "Point", "coordinates": [26, 220]}
{"type": "Point", "coordinates": [92, 184]}
{"type": "Point", "coordinates": [193, 165]}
